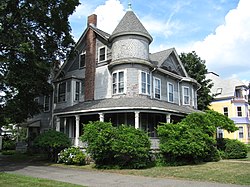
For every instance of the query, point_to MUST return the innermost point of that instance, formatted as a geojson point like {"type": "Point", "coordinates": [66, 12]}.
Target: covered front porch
{"type": "Point", "coordinates": [147, 120]}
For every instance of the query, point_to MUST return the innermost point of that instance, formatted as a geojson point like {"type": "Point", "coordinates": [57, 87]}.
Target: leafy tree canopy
{"type": "Point", "coordinates": [33, 36]}
{"type": "Point", "coordinates": [197, 70]}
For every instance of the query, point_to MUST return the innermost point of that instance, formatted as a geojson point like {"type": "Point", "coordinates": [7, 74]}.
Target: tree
{"type": "Point", "coordinates": [33, 35]}
{"type": "Point", "coordinates": [197, 70]}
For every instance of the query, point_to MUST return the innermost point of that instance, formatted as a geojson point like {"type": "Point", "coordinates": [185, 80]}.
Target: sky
{"type": "Point", "coordinates": [217, 30]}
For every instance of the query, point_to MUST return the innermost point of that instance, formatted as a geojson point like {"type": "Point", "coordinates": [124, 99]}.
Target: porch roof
{"type": "Point", "coordinates": [125, 103]}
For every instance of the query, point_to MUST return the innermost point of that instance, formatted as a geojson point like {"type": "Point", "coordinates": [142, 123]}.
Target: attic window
{"type": "Point", "coordinates": [102, 54]}
{"type": "Point", "coordinates": [219, 91]}
{"type": "Point", "coordinates": [82, 60]}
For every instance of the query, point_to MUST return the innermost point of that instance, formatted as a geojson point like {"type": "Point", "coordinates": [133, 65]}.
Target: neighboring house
{"type": "Point", "coordinates": [231, 99]}
{"type": "Point", "coordinates": [115, 78]}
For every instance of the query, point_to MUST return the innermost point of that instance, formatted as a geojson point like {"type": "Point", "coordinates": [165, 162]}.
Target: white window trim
{"type": "Point", "coordinates": [99, 53]}
{"type": "Point", "coordinates": [148, 92]}
{"type": "Point", "coordinates": [44, 104]}
{"type": "Point", "coordinates": [124, 82]}
{"type": "Point", "coordinates": [169, 83]}
{"type": "Point", "coordinates": [183, 96]}
{"type": "Point", "coordinates": [78, 92]}
{"type": "Point", "coordinates": [65, 92]}
{"type": "Point", "coordinates": [155, 78]}
{"type": "Point", "coordinates": [83, 53]}
{"type": "Point", "coordinates": [241, 132]}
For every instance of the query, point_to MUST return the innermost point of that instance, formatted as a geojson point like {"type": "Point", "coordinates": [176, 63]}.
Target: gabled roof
{"type": "Point", "coordinates": [130, 25]}
{"type": "Point", "coordinates": [159, 59]}
{"type": "Point", "coordinates": [224, 88]}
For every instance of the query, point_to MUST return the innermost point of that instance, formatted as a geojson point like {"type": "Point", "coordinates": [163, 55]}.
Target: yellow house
{"type": "Point", "coordinates": [231, 99]}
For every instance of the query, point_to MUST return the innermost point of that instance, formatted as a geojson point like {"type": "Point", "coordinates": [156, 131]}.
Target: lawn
{"type": "Point", "coordinates": [10, 180]}
{"type": "Point", "coordinates": [226, 171]}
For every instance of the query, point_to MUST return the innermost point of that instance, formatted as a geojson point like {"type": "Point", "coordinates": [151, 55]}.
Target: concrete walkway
{"type": "Point", "coordinates": [97, 178]}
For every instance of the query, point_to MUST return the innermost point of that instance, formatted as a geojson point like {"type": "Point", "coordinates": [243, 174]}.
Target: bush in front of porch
{"type": "Point", "coordinates": [116, 147]}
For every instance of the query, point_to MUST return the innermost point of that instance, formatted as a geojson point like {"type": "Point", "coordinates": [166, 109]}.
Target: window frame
{"type": "Point", "coordinates": [45, 103]}
{"type": "Point", "coordinates": [58, 92]}
{"type": "Point", "coordinates": [147, 83]}
{"type": "Point", "coordinates": [157, 79]}
{"type": "Point", "coordinates": [168, 92]}
{"type": "Point", "coordinates": [225, 113]}
{"type": "Point", "coordinates": [77, 92]}
{"type": "Point", "coordinates": [241, 132]}
{"type": "Point", "coordinates": [80, 58]}
{"type": "Point", "coordinates": [117, 83]}
{"type": "Point", "coordinates": [183, 95]}
{"type": "Point", "coordinates": [239, 112]}
{"type": "Point", "coordinates": [105, 53]}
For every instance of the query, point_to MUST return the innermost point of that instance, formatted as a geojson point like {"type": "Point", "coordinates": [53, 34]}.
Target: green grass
{"type": "Point", "coordinates": [10, 180]}
{"type": "Point", "coordinates": [221, 172]}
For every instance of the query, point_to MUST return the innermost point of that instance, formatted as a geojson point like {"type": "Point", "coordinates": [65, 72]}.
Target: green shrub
{"type": "Point", "coordinates": [9, 144]}
{"type": "Point", "coordinates": [72, 156]}
{"type": "Point", "coordinates": [122, 147]}
{"type": "Point", "coordinates": [231, 149]}
{"type": "Point", "coordinates": [235, 149]}
{"type": "Point", "coordinates": [8, 152]}
{"type": "Point", "coordinates": [52, 142]}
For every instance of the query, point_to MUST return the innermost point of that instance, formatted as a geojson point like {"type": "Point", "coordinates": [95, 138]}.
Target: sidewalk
{"type": "Point", "coordinates": [97, 178]}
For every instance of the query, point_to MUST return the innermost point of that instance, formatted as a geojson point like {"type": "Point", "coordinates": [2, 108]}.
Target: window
{"type": "Point", "coordinates": [239, 112]}
{"type": "Point", "coordinates": [46, 104]}
{"type": "Point", "coordinates": [219, 132]}
{"type": "Point", "coordinates": [62, 92]}
{"type": "Point", "coordinates": [77, 91]}
{"type": "Point", "coordinates": [118, 82]}
{"type": "Point", "coordinates": [241, 135]}
{"type": "Point", "coordinates": [102, 54]}
{"type": "Point", "coordinates": [157, 88]}
{"type": "Point", "coordinates": [82, 60]}
{"type": "Point", "coordinates": [186, 96]}
{"type": "Point", "coordinates": [225, 111]}
{"type": "Point", "coordinates": [145, 83]}
{"type": "Point", "coordinates": [170, 92]}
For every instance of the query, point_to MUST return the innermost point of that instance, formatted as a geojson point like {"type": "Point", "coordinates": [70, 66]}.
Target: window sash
{"type": "Point", "coordinates": [82, 60]}
{"type": "Point", "coordinates": [186, 96]}
{"type": "Point", "coordinates": [118, 82]}
{"type": "Point", "coordinates": [102, 54]}
{"type": "Point", "coordinates": [241, 132]}
{"type": "Point", "coordinates": [157, 88]}
{"type": "Point", "coordinates": [225, 111]}
{"type": "Point", "coordinates": [62, 92]}
{"type": "Point", "coordinates": [170, 92]}
{"type": "Point", "coordinates": [77, 91]}
{"type": "Point", "coordinates": [239, 111]}
{"type": "Point", "coordinates": [145, 83]}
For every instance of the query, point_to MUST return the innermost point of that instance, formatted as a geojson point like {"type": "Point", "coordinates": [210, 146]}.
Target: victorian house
{"type": "Point", "coordinates": [115, 78]}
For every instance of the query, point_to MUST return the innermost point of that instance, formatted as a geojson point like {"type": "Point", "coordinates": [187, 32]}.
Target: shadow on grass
{"type": "Point", "coordinates": [21, 160]}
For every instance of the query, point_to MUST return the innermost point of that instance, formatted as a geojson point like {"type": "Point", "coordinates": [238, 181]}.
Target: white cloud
{"type": "Point", "coordinates": [228, 48]}
{"type": "Point", "coordinates": [109, 15]}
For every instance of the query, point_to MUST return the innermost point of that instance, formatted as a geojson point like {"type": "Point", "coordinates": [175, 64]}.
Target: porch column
{"type": "Point", "coordinates": [58, 124]}
{"type": "Point", "coordinates": [101, 117]}
{"type": "Point", "coordinates": [65, 125]}
{"type": "Point", "coordinates": [168, 118]}
{"type": "Point", "coordinates": [77, 130]}
{"type": "Point", "coordinates": [137, 114]}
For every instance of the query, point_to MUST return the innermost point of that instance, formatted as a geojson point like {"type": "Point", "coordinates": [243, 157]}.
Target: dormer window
{"type": "Point", "coordinates": [82, 60]}
{"type": "Point", "coordinates": [102, 54]}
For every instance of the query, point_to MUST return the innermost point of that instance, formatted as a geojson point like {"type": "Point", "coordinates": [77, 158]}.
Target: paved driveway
{"type": "Point", "coordinates": [97, 178]}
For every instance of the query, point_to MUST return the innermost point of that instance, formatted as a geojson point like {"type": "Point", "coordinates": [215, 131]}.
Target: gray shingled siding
{"type": "Point", "coordinates": [132, 82]}
{"type": "Point", "coordinates": [75, 64]}
{"type": "Point", "coordinates": [102, 83]}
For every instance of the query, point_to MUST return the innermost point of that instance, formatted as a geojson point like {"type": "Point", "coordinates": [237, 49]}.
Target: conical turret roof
{"type": "Point", "coordinates": [130, 25]}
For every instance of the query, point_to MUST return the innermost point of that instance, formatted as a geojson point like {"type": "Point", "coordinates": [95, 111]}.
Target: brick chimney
{"type": "Point", "coordinates": [92, 20]}
{"type": "Point", "coordinates": [90, 60]}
